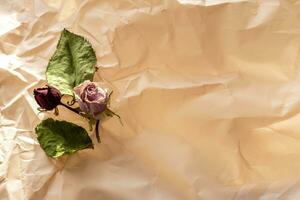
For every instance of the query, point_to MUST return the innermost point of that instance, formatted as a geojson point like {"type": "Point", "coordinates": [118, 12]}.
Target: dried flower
{"type": "Point", "coordinates": [47, 97]}
{"type": "Point", "coordinates": [92, 98]}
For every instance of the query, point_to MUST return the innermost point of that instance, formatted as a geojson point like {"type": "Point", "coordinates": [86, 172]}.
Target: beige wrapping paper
{"type": "Point", "coordinates": [209, 93]}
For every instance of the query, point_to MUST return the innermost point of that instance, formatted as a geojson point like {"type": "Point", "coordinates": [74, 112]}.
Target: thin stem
{"type": "Point", "coordinates": [70, 108]}
{"type": "Point", "coordinates": [97, 130]}
{"type": "Point", "coordinates": [77, 112]}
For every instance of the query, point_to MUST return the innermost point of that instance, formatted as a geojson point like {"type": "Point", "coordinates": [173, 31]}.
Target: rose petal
{"type": "Point", "coordinates": [40, 100]}
{"type": "Point", "coordinates": [93, 96]}
{"type": "Point", "coordinates": [84, 107]}
{"type": "Point", "coordinates": [100, 97]}
{"type": "Point", "coordinates": [83, 97]}
{"type": "Point", "coordinates": [96, 108]}
{"type": "Point", "coordinates": [40, 91]}
{"type": "Point", "coordinates": [80, 88]}
{"type": "Point", "coordinates": [91, 92]}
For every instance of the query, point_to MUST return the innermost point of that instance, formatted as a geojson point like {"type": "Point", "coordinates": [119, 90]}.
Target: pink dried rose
{"type": "Point", "coordinates": [92, 98]}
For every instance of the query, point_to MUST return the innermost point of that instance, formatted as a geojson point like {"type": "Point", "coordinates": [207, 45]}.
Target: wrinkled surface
{"type": "Point", "coordinates": [208, 92]}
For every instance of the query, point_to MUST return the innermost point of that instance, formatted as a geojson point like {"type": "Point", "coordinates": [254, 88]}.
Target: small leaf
{"type": "Point", "coordinates": [111, 113]}
{"type": "Point", "coordinates": [59, 138]}
{"type": "Point", "coordinates": [73, 62]}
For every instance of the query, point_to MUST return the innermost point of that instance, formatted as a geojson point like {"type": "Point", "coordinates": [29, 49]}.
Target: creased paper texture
{"type": "Point", "coordinates": [209, 94]}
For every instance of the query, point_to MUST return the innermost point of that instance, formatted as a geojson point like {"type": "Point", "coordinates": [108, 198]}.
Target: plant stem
{"type": "Point", "coordinates": [77, 112]}
{"type": "Point", "coordinates": [70, 108]}
{"type": "Point", "coordinates": [97, 130]}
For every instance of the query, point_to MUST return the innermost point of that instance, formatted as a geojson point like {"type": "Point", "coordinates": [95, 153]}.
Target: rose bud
{"type": "Point", "coordinates": [92, 98]}
{"type": "Point", "coordinates": [47, 97]}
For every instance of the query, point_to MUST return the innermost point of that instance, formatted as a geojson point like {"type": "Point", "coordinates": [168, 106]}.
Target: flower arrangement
{"type": "Point", "coordinates": [70, 73]}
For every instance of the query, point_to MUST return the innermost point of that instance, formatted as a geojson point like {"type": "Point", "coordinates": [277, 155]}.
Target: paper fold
{"type": "Point", "coordinates": [208, 92]}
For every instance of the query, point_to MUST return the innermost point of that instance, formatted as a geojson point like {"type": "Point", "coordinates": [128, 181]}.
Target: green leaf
{"type": "Point", "coordinates": [59, 138]}
{"type": "Point", "coordinates": [73, 62]}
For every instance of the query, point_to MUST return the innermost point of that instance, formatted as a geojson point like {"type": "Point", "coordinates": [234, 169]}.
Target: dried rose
{"type": "Point", "coordinates": [47, 97]}
{"type": "Point", "coordinates": [92, 98]}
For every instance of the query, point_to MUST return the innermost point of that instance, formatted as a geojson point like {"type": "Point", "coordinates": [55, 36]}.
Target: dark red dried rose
{"type": "Point", "coordinates": [47, 97]}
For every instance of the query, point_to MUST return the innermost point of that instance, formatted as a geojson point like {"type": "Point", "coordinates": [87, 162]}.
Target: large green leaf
{"type": "Point", "coordinates": [59, 138]}
{"type": "Point", "coordinates": [73, 62]}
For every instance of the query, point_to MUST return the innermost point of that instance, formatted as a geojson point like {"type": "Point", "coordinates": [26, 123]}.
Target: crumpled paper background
{"type": "Point", "coordinates": [209, 94]}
